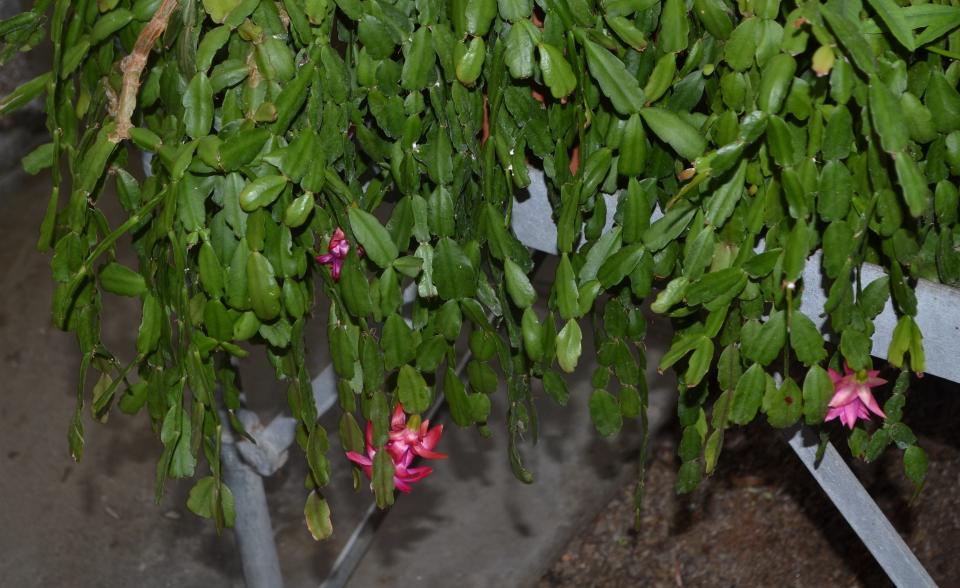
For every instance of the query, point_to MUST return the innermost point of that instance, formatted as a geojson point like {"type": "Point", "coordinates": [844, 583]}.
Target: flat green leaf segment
{"type": "Point", "coordinates": [375, 154]}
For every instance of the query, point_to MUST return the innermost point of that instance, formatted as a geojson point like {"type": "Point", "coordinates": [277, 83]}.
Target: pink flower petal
{"type": "Point", "coordinates": [358, 459]}
{"type": "Point", "coordinates": [832, 414]}
{"type": "Point", "coordinates": [427, 454]}
{"type": "Point", "coordinates": [369, 435]}
{"type": "Point", "coordinates": [432, 437]}
{"type": "Point", "coordinates": [397, 454]}
{"type": "Point", "coordinates": [399, 419]}
{"type": "Point", "coordinates": [866, 397]}
{"type": "Point", "coordinates": [834, 376]}
{"type": "Point", "coordinates": [844, 394]}
{"type": "Point", "coordinates": [416, 474]}
{"type": "Point", "coordinates": [849, 415]}
{"type": "Point", "coordinates": [335, 268]}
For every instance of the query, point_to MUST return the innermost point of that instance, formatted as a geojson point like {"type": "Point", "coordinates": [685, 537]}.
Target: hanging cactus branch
{"type": "Point", "coordinates": [132, 68]}
{"type": "Point", "coordinates": [697, 157]}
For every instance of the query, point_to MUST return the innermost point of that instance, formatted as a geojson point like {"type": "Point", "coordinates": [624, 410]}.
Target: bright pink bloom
{"type": "Point", "coordinates": [408, 437]}
{"type": "Point", "coordinates": [403, 445]}
{"type": "Point", "coordinates": [403, 474]}
{"type": "Point", "coordinates": [852, 397]}
{"type": "Point", "coordinates": [338, 249]}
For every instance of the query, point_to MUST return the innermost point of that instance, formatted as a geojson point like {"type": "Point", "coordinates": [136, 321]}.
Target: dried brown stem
{"type": "Point", "coordinates": [132, 67]}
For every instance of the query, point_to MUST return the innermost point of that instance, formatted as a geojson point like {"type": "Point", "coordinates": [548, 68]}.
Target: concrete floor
{"type": "Point", "coordinates": [93, 523]}
{"type": "Point", "coordinates": [96, 524]}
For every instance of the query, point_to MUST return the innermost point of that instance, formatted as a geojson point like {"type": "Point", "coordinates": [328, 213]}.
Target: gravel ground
{"type": "Point", "coordinates": [761, 520]}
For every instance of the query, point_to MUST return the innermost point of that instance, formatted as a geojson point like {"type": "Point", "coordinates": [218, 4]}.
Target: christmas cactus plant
{"type": "Point", "coordinates": [359, 149]}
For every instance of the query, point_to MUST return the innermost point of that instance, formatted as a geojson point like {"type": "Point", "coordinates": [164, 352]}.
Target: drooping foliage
{"type": "Point", "coordinates": [728, 141]}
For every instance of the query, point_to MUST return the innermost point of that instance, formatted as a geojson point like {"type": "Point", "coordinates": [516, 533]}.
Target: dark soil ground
{"type": "Point", "coordinates": [761, 520]}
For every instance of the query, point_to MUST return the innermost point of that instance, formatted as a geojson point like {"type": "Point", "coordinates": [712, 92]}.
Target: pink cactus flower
{"type": "Point", "coordinates": [852, 397]}
{"type": "Point", "coordinates": [412, 436]}
{"type": "Point", "coordinates": [403, 445]}
{"type": "Point", "coordinates": [338, 249]}
{"type": "Point", "coordinates": [403, 474]}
